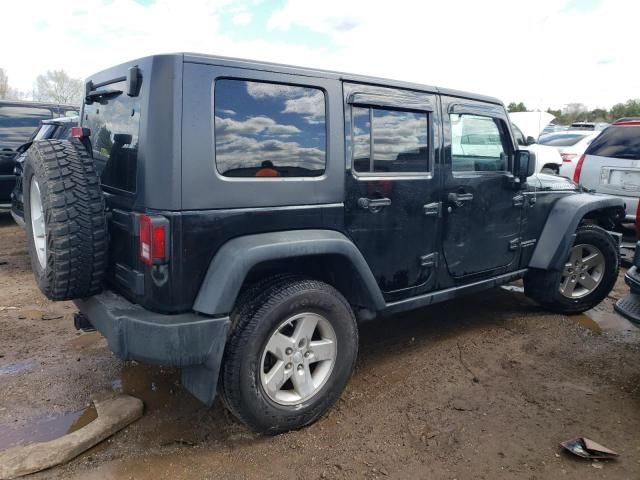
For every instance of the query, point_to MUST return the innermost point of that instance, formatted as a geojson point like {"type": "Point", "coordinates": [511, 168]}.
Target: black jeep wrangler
{"type": "Point", "coordinates": [239, 220]}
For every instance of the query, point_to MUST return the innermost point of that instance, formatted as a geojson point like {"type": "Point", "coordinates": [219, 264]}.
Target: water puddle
{"type": "Point", "coordinates": [153, 384]}
{"type": "Point", "coordinates": [602, 319]}
{"type": "Point", "coordinates": [15, 368]}
{"type": "Point", "coordinates": [46, 428]}
{"type": "Point", "coordinates": [85, 340]}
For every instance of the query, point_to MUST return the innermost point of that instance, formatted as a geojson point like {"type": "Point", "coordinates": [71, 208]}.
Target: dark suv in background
{"type": "Point", "coordinates": [18, 122]}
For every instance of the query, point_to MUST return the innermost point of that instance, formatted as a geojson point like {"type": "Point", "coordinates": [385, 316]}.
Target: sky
{"type": "Point", "coordinates": [546, 53]}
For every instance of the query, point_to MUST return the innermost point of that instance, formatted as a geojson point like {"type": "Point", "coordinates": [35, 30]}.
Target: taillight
{"type": "Point", "coordinates": [568, 157]}
{"type": "Point", "coordinates": [578, 170]}
{"type": "Point", "coordinates": [153, 239]}
{"type": "Point", "coordinates": [80, 132]}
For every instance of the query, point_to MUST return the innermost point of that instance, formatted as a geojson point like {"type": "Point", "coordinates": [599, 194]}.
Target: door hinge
{"type": "Point", "coordinates": [433, 209]}
{"type": "Point", "coordinates": [531, 200]}
{"type": "Point", "coordinates": [518, 200]}
{"type": "Point", "coordinates": [430, 260]}
{"type": "Point", "coordinates": [514, 244]}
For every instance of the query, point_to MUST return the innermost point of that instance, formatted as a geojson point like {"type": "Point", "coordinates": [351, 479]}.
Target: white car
{"type": "Point", "coordinates": [611, 164]}
{"type": "Point", "coordinates": [527, 126]}
{"type": "Point", "coordinates": [571, 144]}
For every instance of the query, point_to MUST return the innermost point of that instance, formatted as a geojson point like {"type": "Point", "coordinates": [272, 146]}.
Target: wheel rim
{"type": "Point", "coordinates": [298, 358]}
{"type": "Point", "coordinates": [583, 272]}
{"type": "Point", "coordinates": [37, 223]}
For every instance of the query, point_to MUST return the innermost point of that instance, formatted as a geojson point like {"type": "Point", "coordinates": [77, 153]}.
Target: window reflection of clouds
{"type": "Point", "coordinates": [282, 124]}
{"type": "Point", "coordinates": [400, 140]}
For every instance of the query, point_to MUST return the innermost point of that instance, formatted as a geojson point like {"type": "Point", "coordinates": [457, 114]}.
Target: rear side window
{"type": "Point", "coordinates": [18, 124]}
{"type": "Point", "coordinates": [478, 143]}
{"type": "Point", "coordinates": [561, 140]}
{"type": "Point", "coordinates": [269, 130]}
{"type": "Point", "coordinates": [114, 121]}
{"type": "Point", "coordinates": [617, 141]}
{"type": "Point", "coordinates": [390, 141]}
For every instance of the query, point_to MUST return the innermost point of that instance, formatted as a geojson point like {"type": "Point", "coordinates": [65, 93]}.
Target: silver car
{"type": "Point", "coordinates": [611, 164]}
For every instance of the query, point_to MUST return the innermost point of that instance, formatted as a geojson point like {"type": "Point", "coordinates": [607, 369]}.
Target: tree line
{"type": "Point", "coordinates": [578, 112]}
{"type": "Point", "coordinates": [54, 86]}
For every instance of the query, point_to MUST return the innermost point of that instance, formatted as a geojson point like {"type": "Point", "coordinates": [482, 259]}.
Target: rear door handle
{"type": "Point", "coordinates": [373, 204]}
{"type": "Point", "coordinates": [458, 199]}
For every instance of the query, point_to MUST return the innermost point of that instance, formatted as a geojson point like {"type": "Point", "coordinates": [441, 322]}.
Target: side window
{"type": "Point", "coordinates": [478, 144]}
{"type": "Point", "coordinates": [269, 129]}
{"type": "Point", "coordinates": [390, 141]}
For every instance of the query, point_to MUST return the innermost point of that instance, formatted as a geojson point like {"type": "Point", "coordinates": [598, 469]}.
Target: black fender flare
{"type": "Point", "coordinates": [233, 261]}
{"type": "Point", "coordinates": [559, 231]}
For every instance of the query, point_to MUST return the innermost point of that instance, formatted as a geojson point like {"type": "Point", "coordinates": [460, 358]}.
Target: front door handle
{"type": "Point", "coordinates": [458, 199]}
{"type": "Point", "coordinates": [373, 204]}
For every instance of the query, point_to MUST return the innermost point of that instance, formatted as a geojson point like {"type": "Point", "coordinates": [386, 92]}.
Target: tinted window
{"type": "Point", "coordinates": [18, 124]}
{"type": "Point", "coordinates": [478, 143]}
{"type": "Point", "coordinates": [617, 141]}
{"type": "Point", "coordinates": [399, 140]}
{"type": "Point", "coordinates": [561, 140]}
{"type": "Point", "coordinates": [44, 132]}
{"type": "Point", "coordinates": [269, 129]}
{"type": "Point", "coordinates": [114, 122]}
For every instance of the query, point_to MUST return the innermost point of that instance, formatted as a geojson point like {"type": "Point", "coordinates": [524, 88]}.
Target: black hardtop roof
{"type": "Point", "coordinates": [312, 72]}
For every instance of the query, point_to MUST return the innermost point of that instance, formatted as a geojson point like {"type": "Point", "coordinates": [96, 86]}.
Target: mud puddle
{"type": "Point", "coordinates": [154, 385]}
{"type": "Point", "coordinates": [46, 428]}
{"type": "Point", "coordinates": [602, 319]}
{"type": "Point", "coordinates": [16, 368]}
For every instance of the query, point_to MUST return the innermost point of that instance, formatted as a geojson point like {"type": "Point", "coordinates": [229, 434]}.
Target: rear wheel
{"type": "Point", "coordinates": [587, 276]}
{"type": "Point", "coordinates": [289, 356]}
{"type": "Point", "coordinates": [550, 169]}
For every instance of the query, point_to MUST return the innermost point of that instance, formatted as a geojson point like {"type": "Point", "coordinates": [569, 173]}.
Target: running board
{"type": "Point", "coordinates": [449, 293]}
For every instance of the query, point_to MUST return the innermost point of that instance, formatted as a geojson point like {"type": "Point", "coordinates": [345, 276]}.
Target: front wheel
{"type": "Point", "coordinates": [290, 355]}
{"type": "Point", "coordinates": [587, 276]}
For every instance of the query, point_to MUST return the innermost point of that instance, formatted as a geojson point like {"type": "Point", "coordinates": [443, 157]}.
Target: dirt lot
{"type": "Point", "coordinates": [482, 388]}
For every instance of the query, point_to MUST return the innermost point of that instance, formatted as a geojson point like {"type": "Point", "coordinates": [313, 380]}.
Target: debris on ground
{"type": "Point", "coordinates": [585, 448]}
{"type": "Point", "coordinates": [114, 414]}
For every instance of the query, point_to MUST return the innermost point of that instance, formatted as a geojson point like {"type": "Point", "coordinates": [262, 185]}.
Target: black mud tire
{"type": "Point", "coordinates": [74, 219]}
{"type": "Point", "coordinates": [543, 285]}
{"type": "Point", "coordinates": [255, 319]}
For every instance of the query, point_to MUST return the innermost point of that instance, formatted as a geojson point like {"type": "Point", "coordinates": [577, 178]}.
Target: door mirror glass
{"type": "Point", "coordinates": [524, 165]}
{"type": "Point", "coordinates": [530, 140]}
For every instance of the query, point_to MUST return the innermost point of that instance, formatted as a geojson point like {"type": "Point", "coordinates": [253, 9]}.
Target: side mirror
{"type": "Point", "coordinates": [530, 140]}
{"type": "Point", "coordinates": [524, 165]}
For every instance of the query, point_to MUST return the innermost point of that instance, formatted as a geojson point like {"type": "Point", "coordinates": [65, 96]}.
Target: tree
{"type": "Point", "coordinates": [56, 86]}
{"type": "Point", "coordinates": [4, 84]}
{"type": "Point", "coordinates": [517, 107]}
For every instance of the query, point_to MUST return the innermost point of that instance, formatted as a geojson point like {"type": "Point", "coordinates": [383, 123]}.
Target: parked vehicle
{"type": "Point", "coordinates": [57, 128]}
{"type": "Point", "coordinates": [595, 126]}
{"type": "Point", "coordinates": [610, 164]}
{"type": "Point", "coordinates": [18, 121]}
{"type": "Point", "coordinates": [257, 213]}
{"type": "Point", "coordinates": [548, 159]}
{"type": "Point", "coordinates": [570, 145]}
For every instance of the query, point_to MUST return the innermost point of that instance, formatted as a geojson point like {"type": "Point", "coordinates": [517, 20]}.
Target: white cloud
{"type": "Point", "coordinates": [241, 19]}
{"type": "Point", "coordinates": [539, 52]}
{"type": "Point", "coordinates": [253, 126]}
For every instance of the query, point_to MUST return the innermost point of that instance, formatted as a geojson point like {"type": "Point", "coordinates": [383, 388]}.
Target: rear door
{"type": "Point", "coordinates": [482, 210]}
{"type": "Point", "coordinates": [392, 211]}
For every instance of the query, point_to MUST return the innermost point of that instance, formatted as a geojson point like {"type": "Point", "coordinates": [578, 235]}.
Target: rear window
{"type": "Point", "coordinates": [269, 129]}
{"type": "Point", "coordinates": [114, 121]}
{"type": "Point", "coordinates": [18, 124]}
{"type": "Point", "coordinates": [617, 141]}
{"type": "Point", "coordinates": [561, 140]}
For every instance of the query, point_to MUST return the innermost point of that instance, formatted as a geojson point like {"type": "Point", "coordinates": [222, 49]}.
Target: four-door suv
{"type": "Point", "coordinates": [18, 121]}
{"type": "Point", "coordinates": [611, 164]}
{"type": "Point", "coordinates": [239, 220]}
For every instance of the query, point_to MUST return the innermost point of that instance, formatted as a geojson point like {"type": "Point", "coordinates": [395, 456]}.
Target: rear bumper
{"type": "Point", "coordinates": [190, 341]}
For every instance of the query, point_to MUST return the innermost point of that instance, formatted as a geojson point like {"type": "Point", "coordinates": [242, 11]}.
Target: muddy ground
{"type": "Point", "coordinates": [479, 388]}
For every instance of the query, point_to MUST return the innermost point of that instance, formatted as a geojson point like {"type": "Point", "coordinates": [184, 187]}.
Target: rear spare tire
{"type": "Point", "coordinates": [64, 219]}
